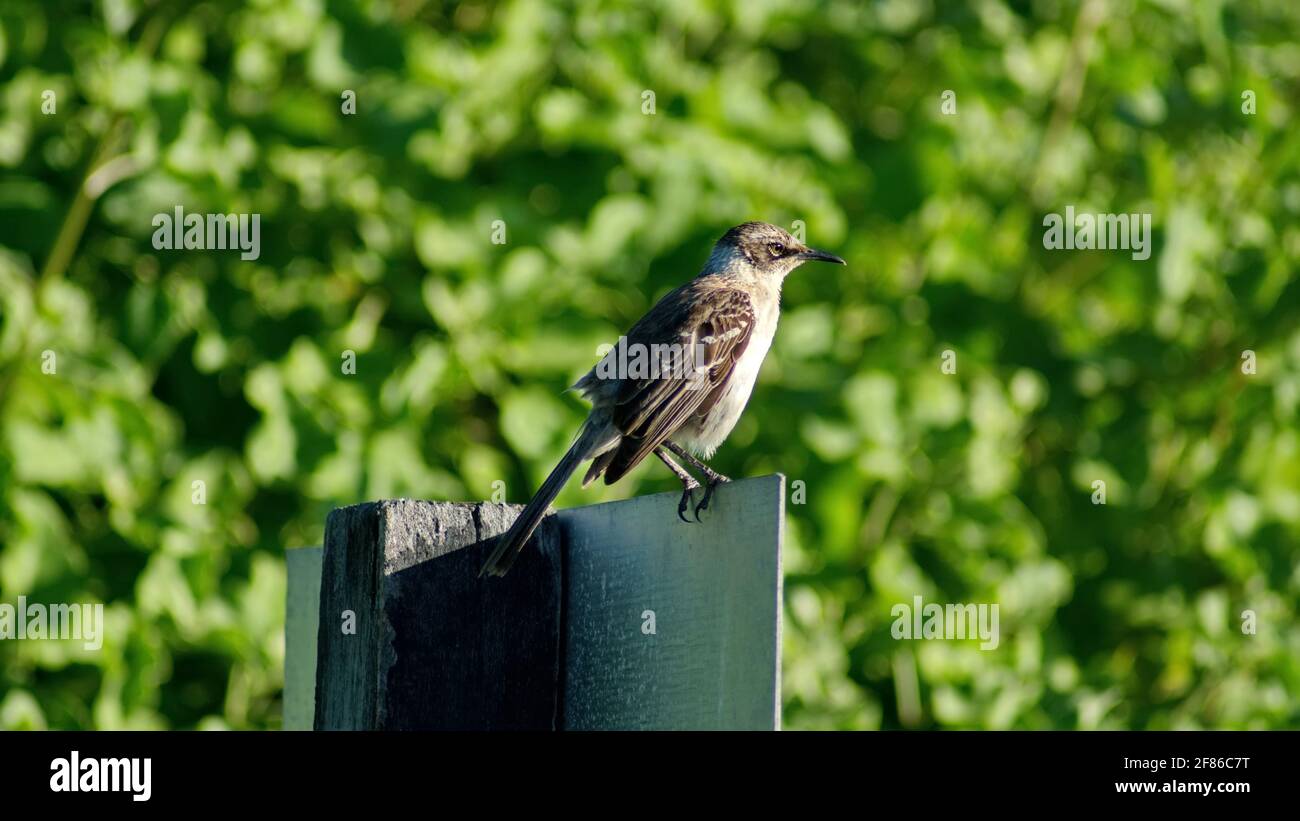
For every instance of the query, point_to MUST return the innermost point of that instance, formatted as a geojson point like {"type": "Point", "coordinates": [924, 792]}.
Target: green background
{"type": "Point", "coordinates": [1072, 366]}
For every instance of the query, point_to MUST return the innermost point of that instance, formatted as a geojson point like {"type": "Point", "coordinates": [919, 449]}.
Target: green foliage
{"type": "Point", "coordinates": [376, 237]}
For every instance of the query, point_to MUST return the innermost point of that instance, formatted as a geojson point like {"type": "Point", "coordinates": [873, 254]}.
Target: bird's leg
{"type": "Point", "coordinates": [712, 476]}
{"type": "Point", "coordinates": [709, 473]}
{"type": "Point", "coordinates": [688, 483]}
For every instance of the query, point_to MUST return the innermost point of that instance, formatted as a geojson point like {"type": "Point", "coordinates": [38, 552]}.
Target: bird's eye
{"type": "Point", "coordinates": [776, 249]}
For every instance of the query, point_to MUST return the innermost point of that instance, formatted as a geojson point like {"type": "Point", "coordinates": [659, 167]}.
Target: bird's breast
{"type": "Point", "coordinates": [708, 431]}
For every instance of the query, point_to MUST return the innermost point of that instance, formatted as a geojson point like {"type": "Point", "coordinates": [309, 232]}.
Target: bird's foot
{"type": "Point", "coordinates": [714, 480]}
{"type": "Point", "coordinates": [688, 490]}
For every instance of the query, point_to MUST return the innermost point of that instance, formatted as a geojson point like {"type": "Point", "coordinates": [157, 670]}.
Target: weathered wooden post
{"type": "Point", "coordinates": [617, 616]}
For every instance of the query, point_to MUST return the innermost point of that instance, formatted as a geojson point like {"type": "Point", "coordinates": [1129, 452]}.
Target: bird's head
{"type": "Point", "coordinates": [763, 251]}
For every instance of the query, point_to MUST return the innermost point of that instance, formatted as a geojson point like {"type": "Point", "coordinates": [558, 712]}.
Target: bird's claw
{"type": "Point", "coordinates": [685, 503]}
{"type": "Point", "coordinates": [708, 494]}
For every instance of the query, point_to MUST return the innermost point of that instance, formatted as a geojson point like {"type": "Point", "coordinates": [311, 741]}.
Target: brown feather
{"type": "Point", "coordinates": [649, 411]}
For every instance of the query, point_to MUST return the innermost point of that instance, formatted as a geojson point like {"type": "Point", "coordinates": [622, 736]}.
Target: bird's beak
{"type": "Point", "coordinates": [813, 255]}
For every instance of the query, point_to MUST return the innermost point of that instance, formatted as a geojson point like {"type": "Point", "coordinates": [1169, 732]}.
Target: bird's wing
{"type": "Point", "coordinates": [712, 328]}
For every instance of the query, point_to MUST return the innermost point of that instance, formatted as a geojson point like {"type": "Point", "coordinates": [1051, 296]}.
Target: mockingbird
{"type": "Point", "coordinates": [699, 350]}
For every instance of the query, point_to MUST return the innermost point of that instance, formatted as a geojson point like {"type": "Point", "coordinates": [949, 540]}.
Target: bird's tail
{"type": "Point", "coordinates": [511, 543]}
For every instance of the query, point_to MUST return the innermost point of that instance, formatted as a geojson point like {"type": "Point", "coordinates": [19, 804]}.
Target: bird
{"type": "Point", "coordinates": [678, 381]}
